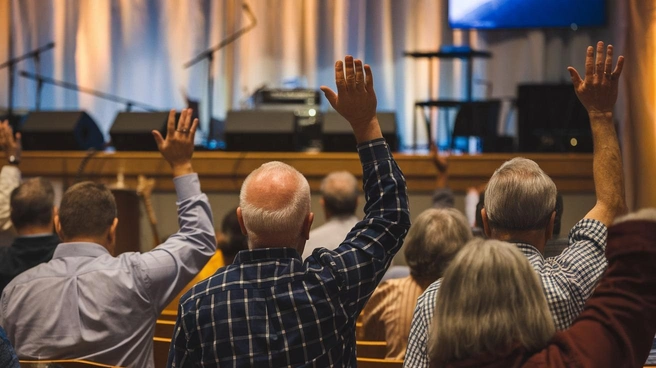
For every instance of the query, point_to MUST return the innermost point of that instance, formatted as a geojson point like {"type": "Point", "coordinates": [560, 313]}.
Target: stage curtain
{"type": "Point", "coordinates": [638, 107]}
{"type": "Point", "coordinates": [136, 49]}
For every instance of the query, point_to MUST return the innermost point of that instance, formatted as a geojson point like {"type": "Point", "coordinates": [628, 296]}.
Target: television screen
{"type": "Point", "coordinates": [503, 14]}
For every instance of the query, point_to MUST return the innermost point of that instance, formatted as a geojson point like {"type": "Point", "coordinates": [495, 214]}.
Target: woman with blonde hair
{"type": "Point", "coordinates": [491, 310]}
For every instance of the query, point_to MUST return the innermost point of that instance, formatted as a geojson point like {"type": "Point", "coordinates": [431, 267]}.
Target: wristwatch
{"type": "Point", "coordinates": [13, 160]}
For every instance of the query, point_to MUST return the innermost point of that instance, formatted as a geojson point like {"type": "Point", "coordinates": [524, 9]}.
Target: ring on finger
{"type": "Point", "coordinates": [183, 130]}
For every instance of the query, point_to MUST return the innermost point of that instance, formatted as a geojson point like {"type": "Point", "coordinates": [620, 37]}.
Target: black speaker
{"type": "Point", "coordinates": [61, 131]}
{"type": "Point", "coordinates": [261, 130]}
{"type": "Point", "coordinates": [551, 119]}
{"type": "Point", "coordinates": [337, 135]}
{"type": "Point", "coordinates": [132, 130]}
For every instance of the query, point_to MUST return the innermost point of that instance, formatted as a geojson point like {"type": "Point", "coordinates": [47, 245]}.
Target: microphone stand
{"type": "Point", "coordinates": [129, 104]}
{"type": "Point", "coordinates": [10, 64]}
{"type": "Point", "coordinates": [209, 55]}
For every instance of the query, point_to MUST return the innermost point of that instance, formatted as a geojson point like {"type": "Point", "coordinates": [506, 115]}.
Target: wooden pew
{"type": "Point", "coordinates": [379, 363]}
{"type": "Point", "coordinates": [161, 347]}
{"type": "Point", "coordinates": [63, 363]}
{"type": "Point", "coordinates": [169, 315]}
{"type": "Point", "coordinates": [164, 328]}
{"type": "Point", "coordinates": [371, 349]}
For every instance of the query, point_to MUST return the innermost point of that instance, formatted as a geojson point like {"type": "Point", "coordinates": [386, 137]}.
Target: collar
{"type": "Point", "coordinates": [265, 254]}
{"type": "Point", "coordinates": [80, 249]}
{"type": "Point", "coordinates": [526, 248]}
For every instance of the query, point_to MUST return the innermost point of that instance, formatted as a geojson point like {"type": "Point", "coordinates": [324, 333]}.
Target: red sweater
{"type": "Point", "coordinates": [618, 324]}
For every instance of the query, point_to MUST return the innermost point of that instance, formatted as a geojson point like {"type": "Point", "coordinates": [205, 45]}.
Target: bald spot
{"type": "Point", "coordinates": [272, 191]}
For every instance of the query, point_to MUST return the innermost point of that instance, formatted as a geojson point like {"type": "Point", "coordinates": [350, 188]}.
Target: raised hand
{"type": "Point", "coordinates": [178, 147]}
{"type": "Point", "coordinates": [355, 99]}
{"type": "Point", "coordinates": [10, 145]}
{"type": "Point", "coordinates": [598, 92]}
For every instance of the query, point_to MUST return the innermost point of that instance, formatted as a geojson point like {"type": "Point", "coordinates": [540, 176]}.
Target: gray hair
{"type": "Point", "coordinates": [275, 224]}
{"type": "Point", "coordinates": [339, 190]}
{"type": "Point", "coordinates": [490, 299]}
{"type": "Point", "coordinates": [435, 237]}
{"type": "Point", "coordinates": [520, 196]}
{"type": "Point", "coordinates": [645, 214]}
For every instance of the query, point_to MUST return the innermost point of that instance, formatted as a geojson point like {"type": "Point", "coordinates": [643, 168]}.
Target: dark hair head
{"type": "Point", "coordinates": [339, 191]}
{"type": "Point", "coordinates": [31, 203]}
{"type": "Point", "coordinates": [234, 240]}
{"type": "Point", "coordinates": [87, 209]}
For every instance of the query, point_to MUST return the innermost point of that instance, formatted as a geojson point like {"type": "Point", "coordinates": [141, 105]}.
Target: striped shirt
{"type": "Point", "coordinates": [388, 314]}
{"type": "Point", "coordinates": [272, 309]}
{"type": "Point", "coordinates": [568, 281]}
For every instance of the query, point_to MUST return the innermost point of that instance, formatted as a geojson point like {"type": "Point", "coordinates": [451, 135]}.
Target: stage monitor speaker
{"type": "Point", "coordinates": [131, 131]}
{"type": "Point", "coordinates": [61, 131]}
{"type": "Point", "coordinates": [337, 135]}
{"type": "Point", "coordinates": [551, 119]}
{"type": "Point", "coordinates": [257, 130]}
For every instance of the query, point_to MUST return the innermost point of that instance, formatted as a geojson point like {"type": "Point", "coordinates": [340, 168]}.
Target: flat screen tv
{"type": "Point", "coordinates": [506, 14]}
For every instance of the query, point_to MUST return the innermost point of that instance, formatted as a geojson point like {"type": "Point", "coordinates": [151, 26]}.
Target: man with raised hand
{"type": "Point", "coordinates": [520, 202]}
{"type": "Point", "coordinates": [87, 304]}
{"type": "Point", "coordinates": [269, 308]}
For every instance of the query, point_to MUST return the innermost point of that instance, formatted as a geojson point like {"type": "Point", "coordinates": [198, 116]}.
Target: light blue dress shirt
{"type": "Point", "coordinates": [86, 304]}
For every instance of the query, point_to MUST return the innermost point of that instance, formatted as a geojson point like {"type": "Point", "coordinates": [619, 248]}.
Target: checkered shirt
{"type": "Point", "coordinates": [568, 281]}
{"type": "Point", "coordinates": [271, 309]}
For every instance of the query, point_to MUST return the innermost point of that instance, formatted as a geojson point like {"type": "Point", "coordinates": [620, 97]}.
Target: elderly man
{"type": "Point", "coordinates": [85, 303]}
{"type": "Point", "coordinates": [272, 309]}
{"type": "Point", "coordinates": [520, 202]}
{"type": "Point", "coordinates": [339, 199]}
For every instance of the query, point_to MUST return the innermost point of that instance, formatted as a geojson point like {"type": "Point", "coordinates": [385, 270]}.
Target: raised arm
{"type": "Point", "coordinates": [171, 265]}
{"type": "Point", "coordinates": [361, 260]}
{"type": "Point", "coordinates": [10, 175]}
{"type": "Point", "coordinates": [598, 93]}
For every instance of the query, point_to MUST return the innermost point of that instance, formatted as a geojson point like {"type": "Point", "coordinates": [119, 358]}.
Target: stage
{"type": "Point", "coordinates": [225, 171]}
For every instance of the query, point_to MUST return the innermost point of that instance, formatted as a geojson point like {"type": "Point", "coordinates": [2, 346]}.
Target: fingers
{"type": "Point", "coordinates": [359, 75]}
{"type": "Point", "coordinates": [608, 65]}
{"type": "Point", "coordinates": [576, 78]}
{"type": "Point", "coordinates": [184, 122]}
{"type": "Point", "coordinates": [158, 139]}
{"type": "Point", "coordinates": [350, 73]}
{"type": "Point", "coordinates": [589, 63]}
{"type": "Point", "coordinates": [339, 77]}
{"type": "Point", "coordinates": [194, 126]}
{"type": "Point", "coordinates": [369, 78]}
{"type": "Point", "coordinates": [618, 68]}
{"type": "Point", "coordinates": [170, 124]}
{"type": "Point", "coordinates": [331, 96]}
{"type": "Point", "coordinates": [599, 67]}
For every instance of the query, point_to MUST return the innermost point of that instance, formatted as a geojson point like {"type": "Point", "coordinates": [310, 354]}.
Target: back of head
{"type": "Point", "coordinates": [32, 203]}
{"type": "Point", "coordinates": [87, 209]}
{"type": "Point", "coordinates": [435, 237]}
{"type": "Point", "coordinates": [274, 201]}
{"type": "Point", "coordinates": [339, 191]}
{"type": "Point", "coordinates": [519, 196]}
{"type": "Point", "coordinates": [234, 241]}
{"type": "Point", "coordinates": [490, 299]}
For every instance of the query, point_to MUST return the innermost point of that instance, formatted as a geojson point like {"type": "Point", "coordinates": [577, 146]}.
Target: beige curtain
{"type": "Point", "coordinates": [639, 106]}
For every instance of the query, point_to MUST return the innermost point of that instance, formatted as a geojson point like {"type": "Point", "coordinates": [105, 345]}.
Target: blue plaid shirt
{"type": "Point", "coordinates": [568, 281]}
{"type": "Point", "coordinates": [271, 309]}
{"type": "Point", "coordinates": [8, 357]}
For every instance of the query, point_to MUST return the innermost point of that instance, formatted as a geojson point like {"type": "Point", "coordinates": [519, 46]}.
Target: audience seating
{"type": "Point", "coordinates": [371, 349]}
{"type": "Point", "coordinates": [68, 363]}
{"type": "Point", "coordinates": [169, 315]}
{"type": "Point", "coordinates": [161, 347]}
{"type": "Point", "coordinates": [379, 363]}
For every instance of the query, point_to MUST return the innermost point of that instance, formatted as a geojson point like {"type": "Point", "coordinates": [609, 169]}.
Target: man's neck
{"type": "Point", "coordinates": [533, 237]}
{"type": "Point", "coordinates": [34, 230]}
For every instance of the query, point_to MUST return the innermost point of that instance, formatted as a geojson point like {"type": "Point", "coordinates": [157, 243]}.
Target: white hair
{"type": "Point", "coordinates": [490, 299]}
{"type": "Point", "coordinates": [520, 196]}
{"type": "Point", "coordinates": [279, 226]}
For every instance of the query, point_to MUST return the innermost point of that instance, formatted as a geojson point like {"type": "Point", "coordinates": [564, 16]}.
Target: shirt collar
{"type": "Point", "coordinates": [528, 249]}
{"type": "Point", "coordinates": [80, 249]}
{"type": "Point", "coordinates": [264, 254]}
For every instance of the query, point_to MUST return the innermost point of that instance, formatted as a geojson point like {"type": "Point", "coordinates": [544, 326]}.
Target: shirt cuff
{"type": "Point", "coordinates": [374, 150]}
{"type": "Point", "coordinates": [187, 186]}
{"type": "Point", "coordinates": [13, 171]}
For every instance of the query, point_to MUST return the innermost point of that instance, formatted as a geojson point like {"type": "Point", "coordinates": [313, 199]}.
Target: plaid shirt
{"type": "Point", "coordinates": [568, 281]}
{"type": "Point", "coordinates": [271, 309]}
